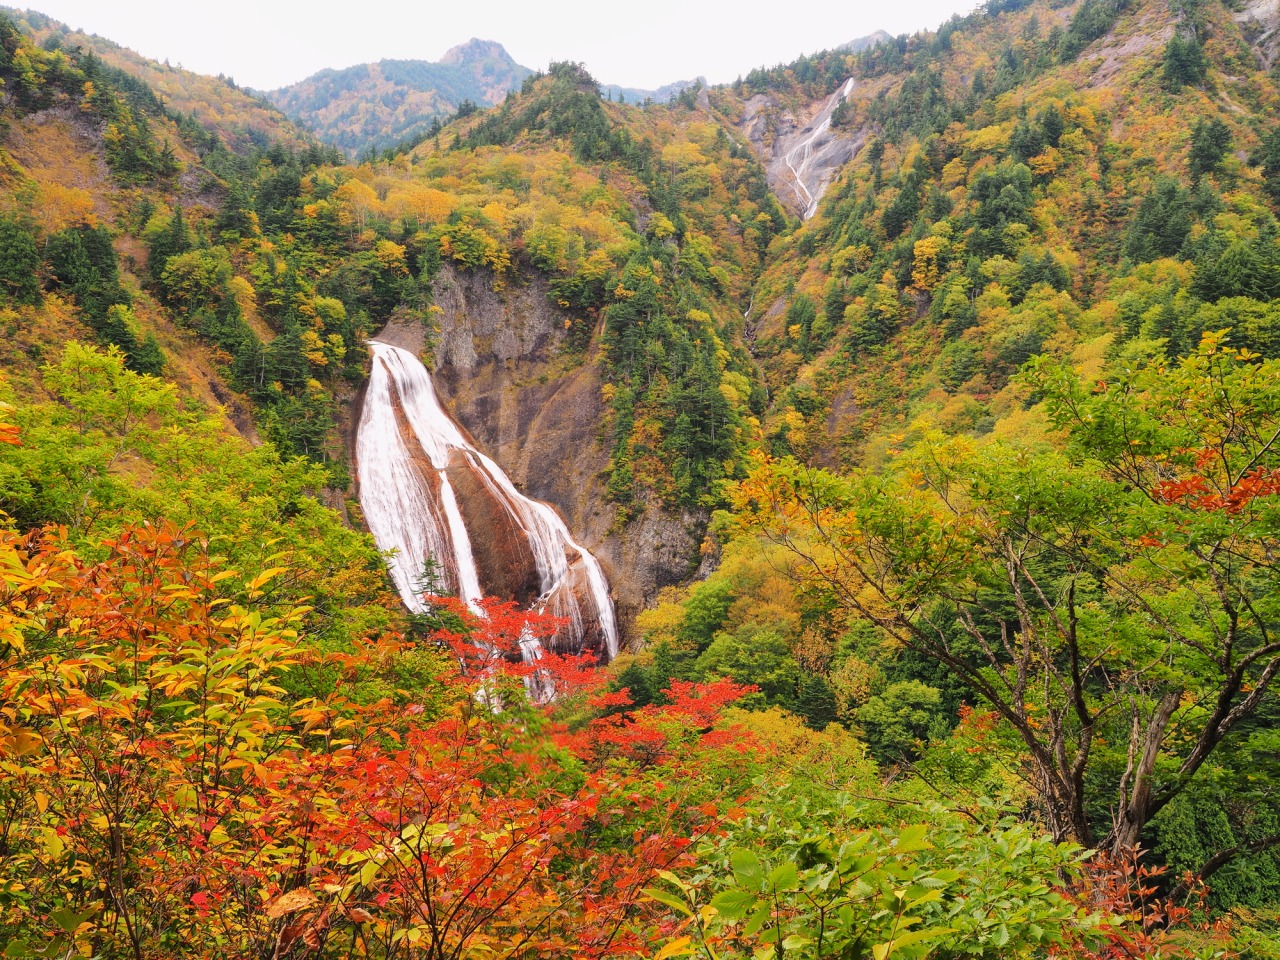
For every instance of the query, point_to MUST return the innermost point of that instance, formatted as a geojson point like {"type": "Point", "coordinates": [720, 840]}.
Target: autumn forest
{"type": "Point", "coordinates": [911, 408]}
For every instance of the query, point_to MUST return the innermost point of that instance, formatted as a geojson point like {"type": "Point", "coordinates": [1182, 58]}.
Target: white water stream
{"type": "Point", "coordinates": [803, 151]}
{"type": "Point", "coordinates": [406, 447]}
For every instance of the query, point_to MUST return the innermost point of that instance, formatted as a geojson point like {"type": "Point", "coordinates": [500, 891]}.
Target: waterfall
{"type": "Point", "coordinates": [803, 151]}
{"type": "Point", "coordinates": [429, 495]}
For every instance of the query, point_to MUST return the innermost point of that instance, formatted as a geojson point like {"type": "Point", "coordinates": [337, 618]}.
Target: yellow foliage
{"type": "Point", "coordinates": [1045, 164]}
{"type": "Point", "coordinates": [1074, 142]}
{"type": "Point", "coordinates": [851, 259]}
{"type": "Point", "coordinates": [683, 155]}
{"type": "Point", "coordinates": [313, 349]}
{"type": "Point", "coordinates": [954, 173]}
{"type": "Point", "coordinates": [392, 256]}
{"type": "Point", "coordinates": [925, 262]}
{"type": "Point", "coordinates": [660, 227]}
{"type": "Point", "coordinates": [242, 290]}
{"type": "Point", "coordinates": [833, 757]}
{"type": "Point", "coordinates": [992, 139]}
{"type": "Point", "coordinates": [59, 207]}
{"type": "Point", "coordinates": [357, 201]}
{"type": "Point", "coordinates": [659, 623]}
{"type": "Point", "coordinates": [496, 213]}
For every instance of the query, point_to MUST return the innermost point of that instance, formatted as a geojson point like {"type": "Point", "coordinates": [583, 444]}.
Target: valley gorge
{"type": "Point", "coordinates": [483, 513]}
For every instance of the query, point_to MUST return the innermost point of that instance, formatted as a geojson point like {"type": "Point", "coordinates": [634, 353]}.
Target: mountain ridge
{"type": "Point", "coordinates": [377, 105]}
{"type": "Point", "coordinates": [372, 106]}
{"type": "Point", "coordinates": [238, 117]}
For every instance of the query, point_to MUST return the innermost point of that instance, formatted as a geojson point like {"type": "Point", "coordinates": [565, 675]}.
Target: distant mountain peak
{"type": "Point", "coordinates": [474, 50]}
{"type": "Point", "coordinates": [863, 43]}
{"type": "Point", "coordinates": [373, 106]}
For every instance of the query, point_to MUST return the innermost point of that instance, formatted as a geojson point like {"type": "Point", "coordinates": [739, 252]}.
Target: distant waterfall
{"type": "Point", "coordinates": [428, 494]}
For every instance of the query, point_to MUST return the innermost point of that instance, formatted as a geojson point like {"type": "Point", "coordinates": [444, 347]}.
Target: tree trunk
{"type": "Point", "coordinates": [1135, 810]}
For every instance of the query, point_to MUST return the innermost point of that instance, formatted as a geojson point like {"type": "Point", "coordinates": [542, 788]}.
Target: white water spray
{"type": "Point", "coordinates": [802, 152]}
{"type": "Point", "coordinates": [406, 447]}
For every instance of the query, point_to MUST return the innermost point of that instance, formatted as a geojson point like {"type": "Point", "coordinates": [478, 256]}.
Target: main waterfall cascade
{"type": "Point", "coordinates": [429, 496]}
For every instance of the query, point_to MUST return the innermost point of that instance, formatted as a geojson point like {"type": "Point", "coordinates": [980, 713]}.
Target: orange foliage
{"type": "Point", "coordinates": [170, 788]}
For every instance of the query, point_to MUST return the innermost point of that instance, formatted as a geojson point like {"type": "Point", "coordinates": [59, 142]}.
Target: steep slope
{"type": "Point", "coordinates": [996, 345]}
{"type": "Point", "coordinates": [803, 142]}
{"type": "Point", "coordinates": [587, 263]}
{"type": "Point", "coordinates": [594, 260]}
{"type": "Point", "coordinates": [121, 338]}
{"type": "Point", "coordinates": [977, 608]}
{"type": "Point", "coordinates": [372, 106]}
{"type": "Point", "coordinates": [241, 120]}
{"type": "Point", "coordinates": [1029, 178]}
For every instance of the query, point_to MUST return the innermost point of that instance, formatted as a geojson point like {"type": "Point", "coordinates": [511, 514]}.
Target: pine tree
{"type": "Point", "coordinates": [19, 262]}
{"type": "Point", "coordinates": [1184, 63]}
{"type": "Point", "coordinates": [1162, 223]}
{"type": "Point", "coordinates": [148, 357]}
{"type": "Point", "coordinates": [169, 242]}
{"type": "Point", "coordinates": [1210, 141]}
{"type": "Point", "coordinates": [1269, 159]}
{"type": "Point", "coordinates": [815, 701]}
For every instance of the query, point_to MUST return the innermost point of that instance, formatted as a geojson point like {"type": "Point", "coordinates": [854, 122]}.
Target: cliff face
{"type": "Point", "coordinates": [800, 150]}
{"type": "Point", "coordinates": [500, 370]}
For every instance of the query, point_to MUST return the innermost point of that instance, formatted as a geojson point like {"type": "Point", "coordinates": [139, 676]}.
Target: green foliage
{"type": "Point", "coordinates": [167, 241]}
{"type": "Point", "coordinates": [804, 876]}
{"type": "Point", "coordinates": [1184, 63]}
{"type": "Point", "coordinates": [83, 263]}
{"type": "Point", "coordinates": [1162, 224]}
{"type": "Point", "coordinates": [1109, 551]}
{"type": "Point", "coordinates": [901, 719]}
{"type": "Point", "coordinates": [704, 613]}
{"type": "Point", "coordinates": [760, 658]}
{"type": "Point", "coordinates": [19, 262]}
{"type": "Point", "coordinates": [1213, 817]}
{"type": "Point", "coordinates": [63, 474]}
{"type": "Point", "coordinates": [1003, 198]}
{"type": "Point", "coordinates": [1268, 158]}
{"type": "Point", "coordinates": [1243, 269]}
{"type": "Point", "coordinates": [1210, 141]}
{"type": "Point", "coordinates": [567, 104]}
{"type": "Point", "coordinates": [902, 212]}
{"type": "Point", "coordinates": [671, 368]}
{"type": "Point", "coordinates": [71, 470]}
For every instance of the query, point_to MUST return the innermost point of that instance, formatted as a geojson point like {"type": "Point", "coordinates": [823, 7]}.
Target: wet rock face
{"type": "Point", "coordinates": [801, 153]}
{"type": "Point", "coordinates": [503, 560]}
{"type": "Point", "coordinates": [431, 498]}
{"type": "Point", "coordinates": [500, 371]}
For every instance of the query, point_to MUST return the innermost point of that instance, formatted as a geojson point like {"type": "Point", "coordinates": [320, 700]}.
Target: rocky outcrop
{"type": "Point", "coordinates": [500, 367]}
{"type": "Point", "coordinates": [800, 150]}
{"type": "Point", "coordinates": [1260, 22]}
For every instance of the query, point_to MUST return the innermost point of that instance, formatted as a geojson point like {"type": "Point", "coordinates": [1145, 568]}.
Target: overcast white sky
{"type": "Point", "coordinates": [272, 43]}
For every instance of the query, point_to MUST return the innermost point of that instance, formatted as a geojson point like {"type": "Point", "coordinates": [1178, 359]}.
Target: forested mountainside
{"type": "Point", "coordinates": [941, 520]}
{"type": "Point", "coordinates": [241, 120]}
{"type": "Point", "coordinates": [373, 106]}
{"type": "Point", "coordinates": [391, 105]}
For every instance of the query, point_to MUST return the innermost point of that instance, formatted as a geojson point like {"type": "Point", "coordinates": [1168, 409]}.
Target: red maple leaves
{"type": "Point", "coordinates": [1197, 493]}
